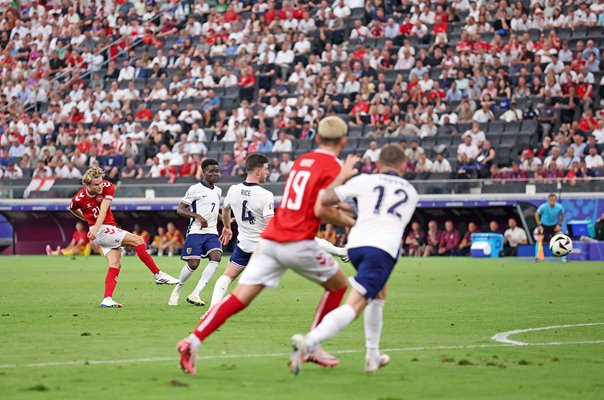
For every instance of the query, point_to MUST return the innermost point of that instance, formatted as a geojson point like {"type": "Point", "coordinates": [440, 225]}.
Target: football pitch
{"type": "Point", "coordinates": [439, 320]}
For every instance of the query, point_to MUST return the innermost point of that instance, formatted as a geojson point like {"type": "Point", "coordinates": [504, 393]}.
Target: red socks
{"type": "Point", "coordinates": [111, 281]}
{"type": "Point", "coordinates": [141, 252]}
{"type": "Point", "coordinates": [217, 316]}
{"type": "Point", "coordinates": [329, 301]}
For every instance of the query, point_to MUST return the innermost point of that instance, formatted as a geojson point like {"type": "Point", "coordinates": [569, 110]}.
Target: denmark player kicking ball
{"type": "Point", "coordinates": [288, 241]}
{"type": "Point", "coordinates": [385, 204]}
{"type": "Point", "coordinates": [92, 204]}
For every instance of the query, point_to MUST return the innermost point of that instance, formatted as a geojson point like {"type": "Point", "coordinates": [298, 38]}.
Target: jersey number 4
{"type": "Point", "coordinates": [403, 197]}
{"type": "Point", "coordinates": [247, 215]}
{"type": "Point", "coordinates": [294, 189]}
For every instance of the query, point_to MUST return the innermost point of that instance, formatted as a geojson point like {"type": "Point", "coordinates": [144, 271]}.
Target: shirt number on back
{"type": "Point", "coordinates": [295, 186]}
{"type": "Point", "coordinates": [246, 215]}
{"type": "Point", "coordinates": [403, 197]}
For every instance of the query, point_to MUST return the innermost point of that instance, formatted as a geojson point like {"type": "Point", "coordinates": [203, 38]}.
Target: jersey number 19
{"type": "Point", "coordinates": [295, 186]}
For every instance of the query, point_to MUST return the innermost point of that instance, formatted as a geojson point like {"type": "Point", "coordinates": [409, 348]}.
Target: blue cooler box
{"type": "Point", "coordinates": [486, 245]}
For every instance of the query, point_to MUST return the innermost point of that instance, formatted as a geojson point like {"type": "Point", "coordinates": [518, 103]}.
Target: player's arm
{"type": "Point", "coordinates": [227, 232]}
{"type": "Point", "coordinates": [184, 210]}
{"type": "Point", "coordinates": [325, 210]}
{"type": "Point", "coordinates": [348, 171]}
{"type": "Point", "coordinates": [538, 218]}
{"type": "Point", "coordinates": [99, 220]}
{"type": "Point", "coordinates": [77, 213]}
{"type": "Point", "coordinates": [561, 218]}
{"type": "Point", "coordinates": [330, 248]}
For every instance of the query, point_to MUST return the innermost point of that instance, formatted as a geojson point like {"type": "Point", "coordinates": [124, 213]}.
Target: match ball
{"type": "Point", "coordinates": [560, 245]}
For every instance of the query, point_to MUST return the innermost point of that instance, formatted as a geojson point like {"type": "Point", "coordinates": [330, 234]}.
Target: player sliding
{"type": "Point", "coordinates": [200, 204]}
{"type": "Point", "coordinates": [386, 203]}
{"type": "Point", "coordinates": [288, 242]}
{"type": "Point", "coordinates": [92, 204]}
{"type": "Point", "coordinates": [253, 208]}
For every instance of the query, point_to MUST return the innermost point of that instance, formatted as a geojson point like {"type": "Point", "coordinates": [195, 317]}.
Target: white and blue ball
{"type": "Point", "coordinates": [561, 245]}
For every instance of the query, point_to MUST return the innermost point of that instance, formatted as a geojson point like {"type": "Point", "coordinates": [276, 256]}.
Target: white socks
{"type": "Point", "coordinates": [331, 325]}
{"type": "Point", "coordinates": [207, 274]}
{"type": "Point", "coordinates": [373, 328]}
{"type": "Point", "coordinates": [220, 289]}
{"type": "Point", "coordinates": [185, 274]}
{"type": "Point", "coordinates": [330, 248]}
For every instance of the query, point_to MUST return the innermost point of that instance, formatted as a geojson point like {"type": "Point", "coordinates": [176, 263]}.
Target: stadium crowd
{"type": "Point", "coordinates": [499, 90]}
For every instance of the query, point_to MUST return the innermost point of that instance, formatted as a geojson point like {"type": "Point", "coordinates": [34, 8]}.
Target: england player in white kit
{"type": "Point", "coordinates": [200, 204]}
{"type": "Point", "coordinates": [385, 203]}
{"type": "Point", "coordinates": [253, 208]}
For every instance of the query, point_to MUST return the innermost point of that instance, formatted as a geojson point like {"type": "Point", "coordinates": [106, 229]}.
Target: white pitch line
{"type": "Point", "coordinates": [273, 355]}
{"type": "Point", "coordinates": [503, 336]}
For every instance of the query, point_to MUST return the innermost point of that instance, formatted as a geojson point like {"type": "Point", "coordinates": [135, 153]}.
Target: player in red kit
{"type": "Point", "coordinates": [91, 204]}
{"type": "Point", "coordinates": [288, 243]}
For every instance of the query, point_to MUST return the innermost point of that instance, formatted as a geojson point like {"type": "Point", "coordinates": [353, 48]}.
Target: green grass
{"type": "Point", "coordinates": [49, 313]}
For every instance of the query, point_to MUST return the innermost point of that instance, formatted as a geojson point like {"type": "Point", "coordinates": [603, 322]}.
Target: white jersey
{"type": "Point", "coordinates": [385, 204]}
{"type": "Point", "coordinates": [204, 201]}
{"type": "Point", "coordinates": [251, 204]}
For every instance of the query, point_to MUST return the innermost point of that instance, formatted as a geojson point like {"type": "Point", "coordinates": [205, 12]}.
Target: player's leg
{"type": "Point", "coordinates": [264, 270]}
{"type": "Point", "coordinates": [373, 269]}
{"type": "Point", "coordinates": [161, 278]}
{"type": "Point", "coordinates": [213, 250]}
{"type": "Point", "coordinates": [113, 257]}
{"type": "Point", "coordinates": [192, 252]}
{"type": "Point", "coordinates": [373, 322]}
{"type": "Point", "coordinates": [237, 262]}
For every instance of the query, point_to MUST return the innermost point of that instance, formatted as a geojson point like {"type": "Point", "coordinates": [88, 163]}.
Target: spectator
{"type": "Point", "coordinates": [449, 240]}
{"type": "Point", "coordinates": [286, 164]}
{"type": "Point", "coordinates": [67, 171]}
{"type": "Point", "coordinates": [171, 241]}
{"type": "Point", "coordinates": [265, 145]}
{"type": "Point", "coordinates": [513, 237]}
{"type": "Point", "coordinates": [227, 165]}
{"type": "Point", "coordinates": [42, 171]}
{"type": "Point", "coordinates": [415, 240]}
{"type": "Point", "coordinates": [283, 144]}
{"type": "Point", "coordinates": [112, 164]}
{"type": "Point", "coordinates": [432, 239]}
{"type": "Point", "coordinates": [441, 164]}
{"type": "Point", "coordinates": [13, 171]}
{"type": "Point", "coordinates": [484, 114]}
{"type": "Point", "coordinates": [593, 160]}
{"type": "Point", "coordinates": [468, 148]}
{"type": "Point", "coordinates": [414, 151]}
{"type": "Point", "coordinates": [423, 166]}
{"type": "Point", "coordinates": [373, 152]}
{"type": "Point", "coordinates": [132, 170]}
{"type": "Point", "coordinates": [466, 242]}
{"type": "Point", "coordinates": [476, 134]}
{"type": "Point", "coordinates": [513, 114]}
{"type": "Point", "coordinates": [486, 158]}
{"type": "Point", "coordinates": [328, 233]}
{"type": "Point", "coordinates": [275, 170]}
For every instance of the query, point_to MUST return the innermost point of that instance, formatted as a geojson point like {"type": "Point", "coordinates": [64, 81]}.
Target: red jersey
{"type": "Point", "coordinates": [77, 236]}
{"type": "Point", "coordinates": [91, 205]}
{"type": "Point", "coordinates": [295, 218]}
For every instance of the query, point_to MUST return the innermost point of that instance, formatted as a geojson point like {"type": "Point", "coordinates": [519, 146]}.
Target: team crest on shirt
{"type": "Point", "coordinates": [189, 249]}
{"type": "Point", "coordinates": [99, 198]}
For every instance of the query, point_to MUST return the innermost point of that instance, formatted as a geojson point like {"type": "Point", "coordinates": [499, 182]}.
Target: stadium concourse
{"type": "Point", "coordinates": [146, 89]}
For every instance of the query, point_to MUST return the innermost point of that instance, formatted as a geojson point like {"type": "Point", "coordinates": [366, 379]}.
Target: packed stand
{"type": "Point", "coordinates": [494, 90]}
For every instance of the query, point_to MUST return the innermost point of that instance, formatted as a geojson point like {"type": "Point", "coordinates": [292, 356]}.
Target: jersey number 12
{"type": "Point", "coordinates": [403, 197]}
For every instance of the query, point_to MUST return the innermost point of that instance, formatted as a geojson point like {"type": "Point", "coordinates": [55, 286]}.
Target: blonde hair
{"type": "Point", "coordinates": [332, 127]}
{"type": "Point", "coordinates": [92, 173]}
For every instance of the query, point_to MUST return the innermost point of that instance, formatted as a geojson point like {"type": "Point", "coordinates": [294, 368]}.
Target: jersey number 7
{"type": "Point", "coordinates": [295, 186]}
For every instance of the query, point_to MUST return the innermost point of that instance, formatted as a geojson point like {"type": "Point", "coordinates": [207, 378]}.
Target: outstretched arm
{"type": "Point", "coordinates": [227, 232]}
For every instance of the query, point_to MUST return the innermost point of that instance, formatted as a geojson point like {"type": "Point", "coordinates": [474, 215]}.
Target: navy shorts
{"type": "Point", "coordinates": [239, 257]}
{"type": "Point", "coordinates": [200, 245]}
{"type": "Point", "coordinates": [373, 267]}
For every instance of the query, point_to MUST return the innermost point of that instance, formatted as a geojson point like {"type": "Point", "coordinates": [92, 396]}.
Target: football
{"type": "Point", "coordinates": [560, 245]}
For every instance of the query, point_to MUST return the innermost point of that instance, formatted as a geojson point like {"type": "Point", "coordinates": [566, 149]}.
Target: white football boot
{"type": "Point", "coordinates": [372, 365]}
{"type": "Point", "coordinates": [195, 300]}
{"type": "Point", "coordinates": [161, 278]}
{"type": "Point", "coordinates": [110, 303]}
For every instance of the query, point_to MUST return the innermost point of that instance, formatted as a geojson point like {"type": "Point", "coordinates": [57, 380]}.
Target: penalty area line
{"type": "Point", "coordinates": [273, 355]}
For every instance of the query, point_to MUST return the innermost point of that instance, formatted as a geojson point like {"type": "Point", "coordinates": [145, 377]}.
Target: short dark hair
{"type": "Point", "coordinates": [207, 163]}
{"type": "Point", "coordinates": [552, 195]}
{"type": "Point", "coordinates": [254, 161]}
{"type": "Point", "coordinates": [392, 155]}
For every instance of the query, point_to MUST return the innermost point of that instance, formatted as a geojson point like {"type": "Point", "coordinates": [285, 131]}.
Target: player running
{"type": "Point", "coordinates": [253, 208]}
{"type": "Point", "coordinates": [288, 242]}
{"type": "Point", "coordinates": [92, 204]}
{"type": "Point", "coordinates": [200, 204]}
{"type": "Point", "coordinates": [386, 203]}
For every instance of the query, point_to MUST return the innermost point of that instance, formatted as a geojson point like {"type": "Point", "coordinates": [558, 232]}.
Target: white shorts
{"type": "Point", "coordinates": [109, 237]}
{"type": "Point", "coordinates": [271, 259]}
